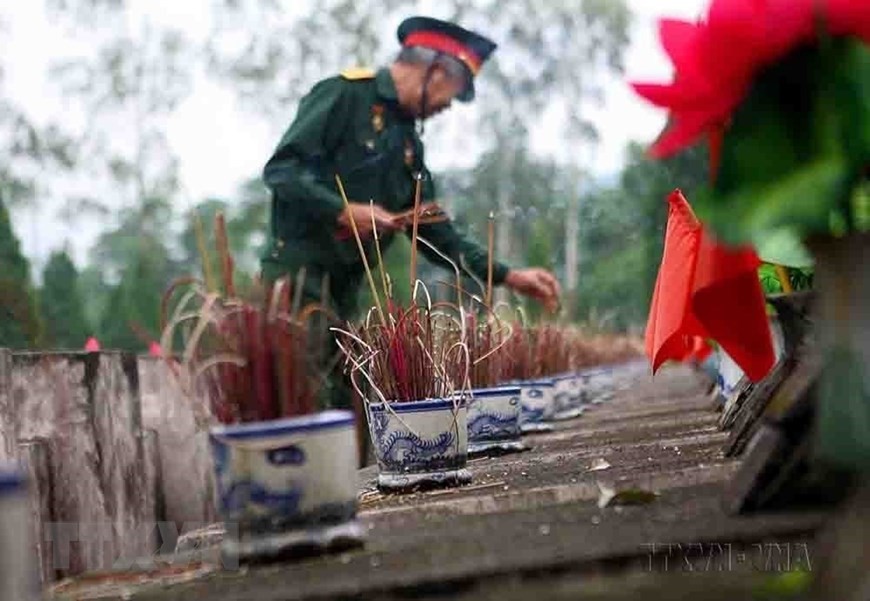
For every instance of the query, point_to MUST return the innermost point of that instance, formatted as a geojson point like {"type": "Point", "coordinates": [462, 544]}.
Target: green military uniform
{"type": "Point", "coordinates": [350, 125]}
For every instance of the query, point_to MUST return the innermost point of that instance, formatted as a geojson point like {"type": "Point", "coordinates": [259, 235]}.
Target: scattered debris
{"type": "Point", "coordinates": [599, 465]}
{"type": "Point", "coordinates": [102, 585]}
{"type": "Point", "coordinates": [609, 496]}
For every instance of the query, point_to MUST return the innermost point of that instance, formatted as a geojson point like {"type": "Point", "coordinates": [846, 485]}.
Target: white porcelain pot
{"type": "Point", "coordinates": [537, 405]}
{"type": "Point", "coordinates": [420, 444]}
{"type": "Point", "coordinates": [597, 384]}
{"type": "Point", "coordinates": [18, 576]}
{"type": "Point", "coordinates": [567, 397]}
{"type": "Point", "coordinates": [493, 421]}
{"type": "Point", "coordinates": [288, 484]}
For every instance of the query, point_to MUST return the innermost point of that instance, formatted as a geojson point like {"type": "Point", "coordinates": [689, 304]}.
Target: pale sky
{"type": "Point", "coordinates": [239, 147]}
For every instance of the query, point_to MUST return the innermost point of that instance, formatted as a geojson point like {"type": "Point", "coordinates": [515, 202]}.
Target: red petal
{"type": "Point", "coordinates": [735, 40]}
{"type": "Point", "coordinates": [716, 138]}
{"type": "Point", "coordinates": [850, 17]}
{"type": "Point", "coordinates": [663, 95]}
{"type": "Point", "coordinates": [684, 132]}
{"type": "Point", "coordinates": [788, 23]}
{"type": "Point", "coordinates": [680, 41]}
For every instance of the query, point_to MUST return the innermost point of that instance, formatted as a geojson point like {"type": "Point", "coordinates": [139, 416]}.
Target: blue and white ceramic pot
{"type": "Point", "coordinates": [18, 575]}
{"type": "Point", "coordinates": [494, 421]}
{"type": "Point", "coordinates": [567, 397]}
{"type": "Point", "coordinates": [537, 405]}
{"type": "Point", "coordinates": [422, 444]}
{"type": "Point", "coordinates": [288, 485]}
{"type": "Point", "coordinates": [597, 384]}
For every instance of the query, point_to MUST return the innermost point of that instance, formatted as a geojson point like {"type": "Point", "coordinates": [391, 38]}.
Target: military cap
{"type": "Point", "coordinates": [469, 48]}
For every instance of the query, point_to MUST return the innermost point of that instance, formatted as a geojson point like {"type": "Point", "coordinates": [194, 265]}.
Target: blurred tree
{"type": "Point", "coordinates": [20, 326]}
{"type": "Point", "coordinates": [60, 301]}
{"type": "Point", "coordinates": [649, 182]}
{"type": "Point", "coordinates": [246, 219]}
{"type": "Point", "coordinates": [554, 58]}
{"type": "Point", "coordinates": [537, 215]}
{"type": "Point", "coordinates": [95, 292]}
{"type": "Point", "coordinates": [136, 260]}
{"type": "Point", "coordinates": [272, 53]}
{"type": "Point", "coordinates": [124, 86]}
{"type": "Point", "coordinates": [623, 235]}
{"type": "Point", "coordinates": [27, 150]}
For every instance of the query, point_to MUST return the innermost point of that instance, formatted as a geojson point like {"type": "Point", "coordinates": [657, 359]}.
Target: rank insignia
{"type": "Point", "coordinates": [410, 155]}
{"type": "Point", "coordinates": [378, 118]}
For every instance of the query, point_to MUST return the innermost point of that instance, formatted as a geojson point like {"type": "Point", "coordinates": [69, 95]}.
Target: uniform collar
{"type": "Point", "coordinates": [385, 85]}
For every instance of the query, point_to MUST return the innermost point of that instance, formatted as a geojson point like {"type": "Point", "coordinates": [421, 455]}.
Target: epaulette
{"type": "Point", "coordinates": [356, 73]}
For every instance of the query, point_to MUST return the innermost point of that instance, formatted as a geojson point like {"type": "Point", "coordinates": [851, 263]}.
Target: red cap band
{"type": "Point", "coordinates": [446, 44]}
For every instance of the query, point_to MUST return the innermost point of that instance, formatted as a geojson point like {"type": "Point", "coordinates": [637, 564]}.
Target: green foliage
{"type": "Point", "coordinates": [539, 253]}
{"type": "Point", "coordinates": [622, 236]}
{"type": "Point", "coordinates": [20, 325]}
{"type": "Point", "coordinates": [537, 197]}
{"type": "Point", "coordinates": [799, 279]}
{"type": "Point", "coordinates": [796, 152]}
{"type": "Point", "coordinates": [136, 258]}
{"type": "Point", "coordinates": [133, 308]}
{"type": "Point", "coordinates": [63, 313]}
{"type": "Point", "coordinates": [246, 219]}
{"type": "Point", "coordinates": [613, 292]}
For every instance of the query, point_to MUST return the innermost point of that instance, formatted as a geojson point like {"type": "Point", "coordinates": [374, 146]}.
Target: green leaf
{"type": "Point", "coordinates": [795, 205]}
{"type": "Point", "coordinates": [769, 281]}
{"type": "Point", "coordinates": [795, 152]}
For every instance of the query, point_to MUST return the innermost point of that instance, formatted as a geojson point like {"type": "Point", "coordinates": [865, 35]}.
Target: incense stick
{"type": "Point", "coordinates": [416, 223]}
{"type": "Point", "coordinates": [489, 262]}
{"type": "Point", "coordinates": [223, 251]}
{"type": "Point", "coordinates": [362, 251]}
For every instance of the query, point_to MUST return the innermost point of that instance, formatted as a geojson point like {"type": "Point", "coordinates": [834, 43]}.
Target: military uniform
{"type": "Point", "coordinates": [350, 125]}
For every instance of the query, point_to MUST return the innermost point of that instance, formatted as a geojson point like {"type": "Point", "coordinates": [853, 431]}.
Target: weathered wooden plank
{"type": "Point", "coordinates": [185, 463]}
{"type": "Point", "coordinates": [35, 456]}
{"type": "Point", "coordinates": [7, 409]}
{"type": "Point", "coordinates": [87, 406]}
{"type": "Point", "coordinates": [117, 422]}
{"type": "Point", "coordinates": [156, 503]}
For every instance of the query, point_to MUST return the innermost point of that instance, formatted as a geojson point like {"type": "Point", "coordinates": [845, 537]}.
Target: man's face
{"type": "Point", "coordinates": [442, 89]}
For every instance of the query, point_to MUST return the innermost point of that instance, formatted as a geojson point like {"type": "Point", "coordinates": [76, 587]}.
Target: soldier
{"type": "Point", "coordinates": [361, 126]}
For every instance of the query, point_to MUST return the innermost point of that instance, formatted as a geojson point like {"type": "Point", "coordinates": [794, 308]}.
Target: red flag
{"type": "Point", "coordinates": [707, 290]}
{"type": "Point", "coordinates": [154, 349]}
{"type": "Point", "coordinates": [92, 345]}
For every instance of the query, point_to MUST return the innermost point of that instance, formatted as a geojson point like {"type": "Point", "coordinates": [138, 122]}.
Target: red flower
{"type": "Point", "coordinates": [716, 60]}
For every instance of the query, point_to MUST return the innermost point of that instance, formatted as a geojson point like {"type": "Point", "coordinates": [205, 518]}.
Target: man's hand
{"type": "Point", "coordinates": [537, 283]}
{"type": "Point", "coordinates": [362, 217]}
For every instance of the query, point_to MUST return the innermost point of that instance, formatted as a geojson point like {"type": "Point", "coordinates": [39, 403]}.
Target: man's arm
{"type": "Point", "coordinates": [295, 173]}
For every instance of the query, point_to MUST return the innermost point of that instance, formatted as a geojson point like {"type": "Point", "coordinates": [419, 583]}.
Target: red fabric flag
{"type": "Point", "coordinates": [92, 345]}
{"type": "Point", "coordinates": [707, 290]}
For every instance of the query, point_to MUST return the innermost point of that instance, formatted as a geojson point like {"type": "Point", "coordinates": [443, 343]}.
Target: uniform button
{"type": "Point", "coordinates": [279, 243]}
